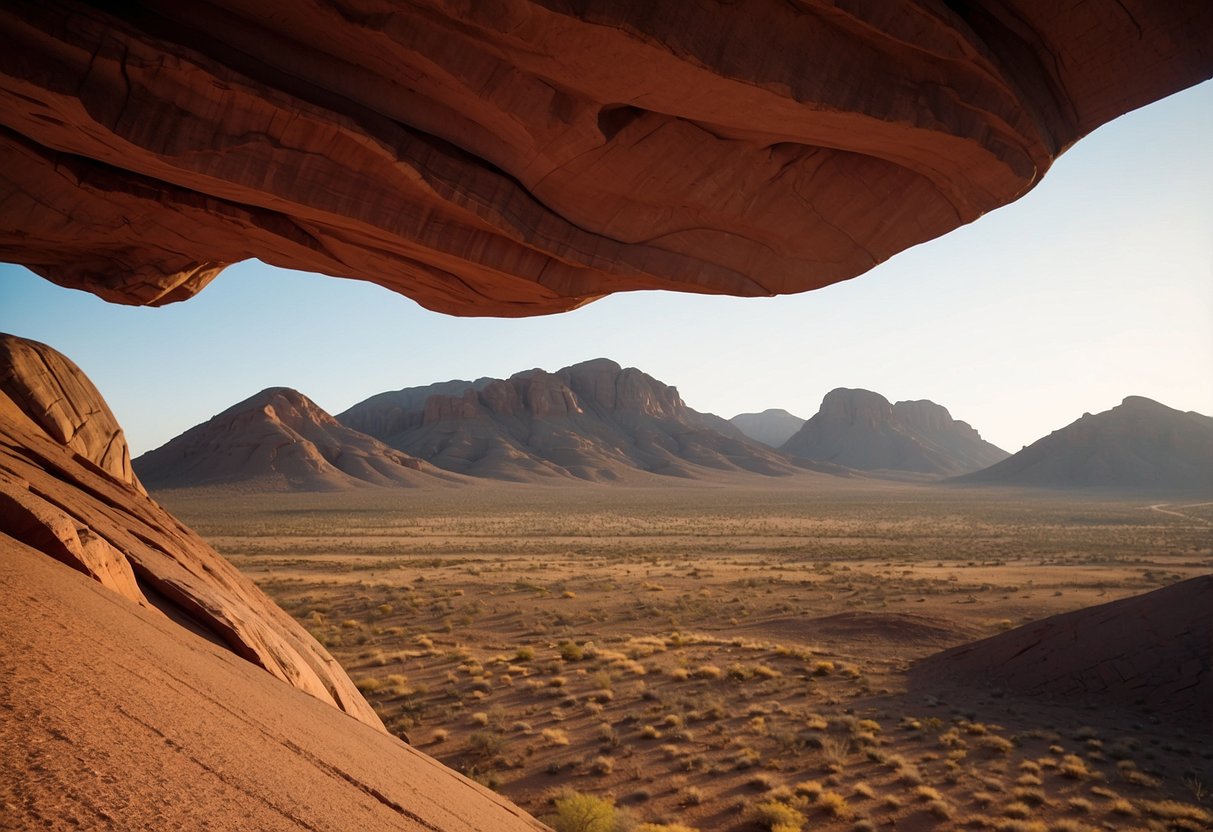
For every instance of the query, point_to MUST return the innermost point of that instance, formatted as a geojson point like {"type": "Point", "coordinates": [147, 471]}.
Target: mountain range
{"type": "Point", "coordinates": [592, 421]}
{"type": "Point", "coordinates": [599, 422]}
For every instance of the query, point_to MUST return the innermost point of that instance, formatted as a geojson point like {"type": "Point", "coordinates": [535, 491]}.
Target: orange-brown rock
{"type": "Point", "coordinates": [1152, 651]}
{"type": "Point", "coordinates": [526, 156]}
{"type": "Point", "coordinates": [67, 491]}
{"type": "Point", "coordinates": [116, 719]}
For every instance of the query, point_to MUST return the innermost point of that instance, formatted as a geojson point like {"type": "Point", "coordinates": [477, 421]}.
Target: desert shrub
{"type": "Point", "coordinates": [995, 745]}
{"type": "Point", "coordinates": [554, 736]}
{"type": "Point", "coordinates": [663, 827]}
{"type": "Point", "coordinates": [778, 817]}
{"type": "Point", "coordinates": [1081, 805]}
{"type": "Point", "coordinates": [602, 765]}
{"type": "Point", "coordinates": [1072, 766]}
{"type": "Point", "coordinates": [835, 804]}
{"type": "Point", "coordinates": [810, 789]}
{"type": "Point", "coordinates": [577, 812]}
{"type": "Point", "coordinates": [1016, 810]}
{"type": "Point", "coordinates": [1174, 810]}
{"type": "Point", "coordinates": [940, 809]}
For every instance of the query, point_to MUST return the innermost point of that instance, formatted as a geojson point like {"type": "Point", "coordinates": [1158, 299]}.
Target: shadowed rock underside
{"type": "Point", "coordinates": [526, 156]}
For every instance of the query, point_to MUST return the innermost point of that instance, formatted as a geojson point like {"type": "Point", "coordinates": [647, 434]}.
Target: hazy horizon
{"type": "Point", "coordinates": [1095, 286]}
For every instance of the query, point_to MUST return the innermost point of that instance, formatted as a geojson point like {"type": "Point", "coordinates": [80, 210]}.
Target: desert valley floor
{"type": "Point", "coordinates": [733, 655]}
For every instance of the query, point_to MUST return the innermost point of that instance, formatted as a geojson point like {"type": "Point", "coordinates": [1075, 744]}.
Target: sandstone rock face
{"type": "Point", "coordinates": [52, 392]}
{"type": "Point", "coordinates": [118, 719]}
{"type": "Point", "coordinates": [63, 503]}
{"type": "Point", "coordinates": [1152, 651]}
{"type": "Point", "coordinates": [861, 429]}
{"type": "Point", "coordinates": [594, 421]}
{"type": "Point", "coordinates": [527, 156]}
{"type": "Point", "coordinates": [1138, 444]}
{"type": "Point", "coordinates": [772, 427]}
{"type": "Point", "coordinates": [280, 439]}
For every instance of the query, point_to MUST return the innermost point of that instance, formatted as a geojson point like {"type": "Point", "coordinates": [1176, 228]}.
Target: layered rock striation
{"type": "Point", "coordinates": [593, 421]}
{"type": "Point", "coordinates": [280, 439]}
{"type": "Point", "coordinates": [1137, 444]}
{"type": "Point", "coordinates": [528, 156]}
{"type": "Point", "coordinates": [67, 490]}
{"type": "Point", "coordinates": [863, 430]}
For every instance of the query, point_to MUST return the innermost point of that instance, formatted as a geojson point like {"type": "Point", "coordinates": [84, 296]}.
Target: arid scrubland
{"type": "Point", "coordinates": [734, 657]}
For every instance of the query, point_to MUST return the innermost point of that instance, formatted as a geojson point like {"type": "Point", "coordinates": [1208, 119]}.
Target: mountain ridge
{"type": "Point", "coordinates": [594, 420]}
{"type": "Point", "coordinates": [279, 439]}
{"type": "Point", "coordinates": [1138, 443]}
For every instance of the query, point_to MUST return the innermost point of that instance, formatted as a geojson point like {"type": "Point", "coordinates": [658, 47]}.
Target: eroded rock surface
{"type": "Point", "coordinates": [281, 440]}
{"type": "Point", "coordinates": [594, 421]}
{"type": "Point", "coordinates": [863, 430]}
{"type": "Point", "coordinates": [81, 505]}
{"type": "Point", "coordinates": [526, 156]}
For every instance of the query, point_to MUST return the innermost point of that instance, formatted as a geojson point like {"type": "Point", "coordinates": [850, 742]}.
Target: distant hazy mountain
{"type": "Point", "coordinates": [280, 439]}
{"type": "Point", "coordinates": [861, 429]}
{"type": "Point", "coordinates": [1139, 443]}
{"type": "Point", "coordinates": [593, 421]}
{"type": "Point", "coordinates": [771, 427]}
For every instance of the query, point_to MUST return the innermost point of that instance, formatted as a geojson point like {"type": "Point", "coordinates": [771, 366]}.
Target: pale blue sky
{"type": "Point", "coordinates": [1097, 285]}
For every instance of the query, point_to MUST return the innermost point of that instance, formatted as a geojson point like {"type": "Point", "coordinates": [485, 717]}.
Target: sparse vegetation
{"type": "Point", "coordinates": [702, 700]}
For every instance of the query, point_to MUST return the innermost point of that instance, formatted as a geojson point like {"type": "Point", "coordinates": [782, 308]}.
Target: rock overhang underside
{"type": "Point", "coordinates": [524, 157]}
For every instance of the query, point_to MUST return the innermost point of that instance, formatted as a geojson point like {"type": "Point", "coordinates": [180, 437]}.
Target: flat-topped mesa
{"type": "Point", "coordinates": [67, 490]}
{"type": "Point", "coordinates": [527, 156]}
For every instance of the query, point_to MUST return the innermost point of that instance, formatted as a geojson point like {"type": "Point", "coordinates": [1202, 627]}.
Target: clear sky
{"type": "Point", "coordinates": [1096, 285]}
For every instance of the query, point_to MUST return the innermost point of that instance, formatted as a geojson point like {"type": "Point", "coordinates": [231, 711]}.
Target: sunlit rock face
{"type": "Point", "coordinates": [67, 490]}
{"type": "Point", "coordinates": [525, 156]}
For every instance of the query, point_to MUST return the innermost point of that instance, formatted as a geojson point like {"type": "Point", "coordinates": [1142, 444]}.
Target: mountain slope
{"type": "Point", "coordinates": [280, 439]}
{"type": "Point", "coordinates": [593, 421]}
{"type": "Point", "coordinates": [772, 427]}
{"type": "Point", "coordinates": [1138, 443]}
{"type": "Point", "coordinates": [1150, 650]}
{"type": "Point", "coordinates": [861, 429]}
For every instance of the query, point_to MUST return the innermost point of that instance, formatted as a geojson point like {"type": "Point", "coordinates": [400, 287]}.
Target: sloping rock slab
{"type": "Point", "coordinates": [115, 718]}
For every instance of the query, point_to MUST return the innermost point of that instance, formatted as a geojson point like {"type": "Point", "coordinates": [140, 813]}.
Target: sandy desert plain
{"type": "Point", "coordinates": [737, 655]}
